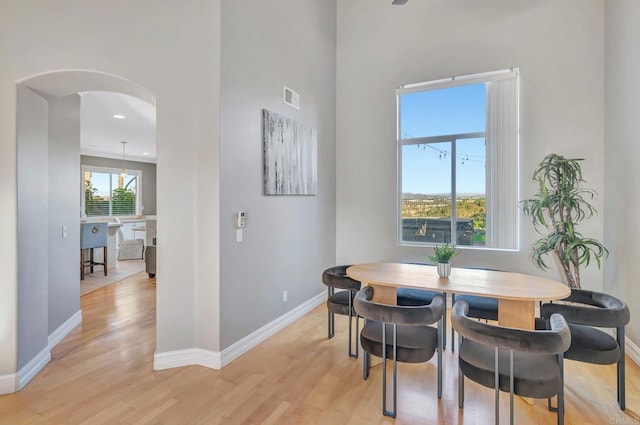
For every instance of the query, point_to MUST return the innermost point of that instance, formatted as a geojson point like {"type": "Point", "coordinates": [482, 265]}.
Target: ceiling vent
{"type": "Point", "coordinates": [291, 98]}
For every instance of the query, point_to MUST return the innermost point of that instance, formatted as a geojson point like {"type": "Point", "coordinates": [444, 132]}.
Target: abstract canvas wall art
{"type": "Point", "coordinates": [290, 156]}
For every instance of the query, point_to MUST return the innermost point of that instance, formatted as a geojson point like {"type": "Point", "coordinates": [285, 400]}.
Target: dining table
{"type": "Point", "coordinates": [517, 293]}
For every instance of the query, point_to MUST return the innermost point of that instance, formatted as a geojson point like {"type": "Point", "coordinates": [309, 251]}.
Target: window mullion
{"type": "Point", "coordinates": [110, 194]}
{"type": "Point", "coordinates": [454, 227]}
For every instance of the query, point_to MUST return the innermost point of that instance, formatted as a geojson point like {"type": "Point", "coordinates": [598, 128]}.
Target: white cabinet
{"type": "Point", "coordinates": [133, 230]}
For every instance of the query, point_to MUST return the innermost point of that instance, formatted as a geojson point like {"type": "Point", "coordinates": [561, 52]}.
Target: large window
{"type": "Point", "coordinates": [109, 192]}
{"type": "Point", "coordinates": [457, 153]}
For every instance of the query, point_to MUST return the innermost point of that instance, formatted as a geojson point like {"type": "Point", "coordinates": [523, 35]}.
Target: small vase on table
{"type": "Point", "coordinates": [444, 269]}
{"type": "Point", "coordinates": [442, 256]}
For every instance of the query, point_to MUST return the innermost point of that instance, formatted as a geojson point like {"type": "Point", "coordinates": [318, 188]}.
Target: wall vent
{"type": "Point", "coordinates": [291, 98]}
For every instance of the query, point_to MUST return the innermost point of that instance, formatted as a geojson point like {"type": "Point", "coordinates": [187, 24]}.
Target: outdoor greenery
{"type": "Point", "coordinates": [430, 206]}
{"type": "Point", "coordinates": [443, 254]}
{"type": "Point", "coordinates": [123, 201]}
{"type": "Point", "coordinates": [556, 210]}
{"type": "Point", "coordinates": [473, 208]}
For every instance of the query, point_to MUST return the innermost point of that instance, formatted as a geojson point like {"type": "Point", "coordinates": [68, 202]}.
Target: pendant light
{"type": "Point", "coordinates": [123, 173]}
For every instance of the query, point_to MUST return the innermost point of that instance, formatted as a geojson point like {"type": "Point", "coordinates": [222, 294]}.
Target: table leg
{"type": "Point", "coordinates": [384, 294]}
{"type": "Point", "coordinates": [517, 314]}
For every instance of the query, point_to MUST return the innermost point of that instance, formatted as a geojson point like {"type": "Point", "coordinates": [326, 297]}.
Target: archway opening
{"type": "Point", "coordinates": [49, 207]}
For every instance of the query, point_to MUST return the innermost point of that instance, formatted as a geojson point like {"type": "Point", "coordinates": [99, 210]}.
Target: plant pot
{"type": "Point", "coordinates": [444, 269]}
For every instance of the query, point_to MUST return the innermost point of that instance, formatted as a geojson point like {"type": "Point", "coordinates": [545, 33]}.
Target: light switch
{"type": "Point", "coordinates": [238, 235]}
{"type": "Point", "coordinates": [64, 231]}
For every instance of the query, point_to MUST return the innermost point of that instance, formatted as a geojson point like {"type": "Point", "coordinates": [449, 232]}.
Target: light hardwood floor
{"type": "Point", "coordinates": [102, 374]}
{"type": "Point", "coordinates": [97, 279]}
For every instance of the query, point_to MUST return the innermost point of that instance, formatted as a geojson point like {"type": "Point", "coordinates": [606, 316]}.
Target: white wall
{"type": "Point", "coordinates": [622, 175]}
{"type": "Point", "coordinates": [288, 240]}
{"type": "Point", "coordinates": [33, 230]}
{"type": "Point", "coordinates": [560, 55]}
{"type": "Point", "coordinates": [171, 49]}
{"type": "Point", "coordinates": [63, 210]}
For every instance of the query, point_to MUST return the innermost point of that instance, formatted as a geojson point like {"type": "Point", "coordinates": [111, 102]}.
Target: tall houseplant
{"type": "Point", "coordinates": [556, 209]}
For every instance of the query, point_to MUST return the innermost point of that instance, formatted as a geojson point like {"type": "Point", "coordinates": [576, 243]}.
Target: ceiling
{"type": "Point", "coordinates": [101, 133]}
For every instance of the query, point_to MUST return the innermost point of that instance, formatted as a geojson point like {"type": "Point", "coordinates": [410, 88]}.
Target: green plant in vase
{"type": "Point", "coordinates": [442, 256]}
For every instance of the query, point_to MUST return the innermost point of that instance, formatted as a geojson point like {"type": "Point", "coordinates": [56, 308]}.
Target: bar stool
{"type": "Point", "coordinates": [92, 235]}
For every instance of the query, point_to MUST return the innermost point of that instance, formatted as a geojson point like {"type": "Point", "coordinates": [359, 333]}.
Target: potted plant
{"type": "Point", "coordinates": [557, 208]}
{"type": "Point", "coordinates": [442, 256]}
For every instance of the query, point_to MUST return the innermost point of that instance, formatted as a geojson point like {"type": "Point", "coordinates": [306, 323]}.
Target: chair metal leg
{"type": "Point", "coordinates": [366, 361]}
{"type": "Point", "coordinates": [497, 388]}
{"type": "Point", "coordinates": [460, 379]}
{"type": "Point", "coordinates": [385, 412]}
{"type": "Point", "coordinates": [444, 323]}
{"type": "Point", "coordinates": [366, 365]}
{"type": "Point", "coordinates": [330, 318]}
{"type": "Point", "coordinates": [351, 314]}
{"type": "Point", "coordinates": [453, 331]}
{"type": "Point", "coordinates": [621, 369]}
{"type": "Point", "coordinates": [511, 387]}
{"type": "Point", "coordinates": [561, 390]}
{"type": "Point", "coordinates": [440, 347]}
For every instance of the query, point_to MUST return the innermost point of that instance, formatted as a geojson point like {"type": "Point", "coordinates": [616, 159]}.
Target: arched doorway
{"type": "Point", "coordinates": [48, 178]}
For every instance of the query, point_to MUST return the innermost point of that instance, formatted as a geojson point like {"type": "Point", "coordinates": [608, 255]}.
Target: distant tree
{"type": "Point", "coordinates": [123, 201]}
{"type": "Point", "coordinates": [94, 204]}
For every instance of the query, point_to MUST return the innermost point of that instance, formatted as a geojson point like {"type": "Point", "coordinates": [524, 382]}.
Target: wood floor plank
{"type": "Point", "coordinates": [102, 374]}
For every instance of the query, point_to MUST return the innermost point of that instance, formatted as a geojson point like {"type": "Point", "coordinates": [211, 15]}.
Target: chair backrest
{"type": "Point", "coordinates": [400, 315]}
{"type": "Point", "coordinates": [609, 311]}
{"type": "Point", "coordinates": [554, 341]}
{"type": "Point", "coordinates": [336, 277]}
{"type": "Point", "coordinates": [93, 235]}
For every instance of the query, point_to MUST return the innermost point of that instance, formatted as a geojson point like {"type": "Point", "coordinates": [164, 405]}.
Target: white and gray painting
{"type": "Point", "coordinates": [290, 156]}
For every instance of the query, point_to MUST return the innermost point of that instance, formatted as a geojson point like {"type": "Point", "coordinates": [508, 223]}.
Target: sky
{"type": "Point", "coordinates": [454, 110]}
{"type": "Point", "coordinates": [101, 182]}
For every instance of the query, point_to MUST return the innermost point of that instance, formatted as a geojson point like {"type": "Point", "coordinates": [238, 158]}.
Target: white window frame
{"type": "Point", "coordinates": [110, 170]}
{"type": "Point", "coordinates": [484, 78]}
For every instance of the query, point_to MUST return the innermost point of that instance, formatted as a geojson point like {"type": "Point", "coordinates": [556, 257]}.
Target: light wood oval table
{"type": "Point", "coordinates": [517, 293]}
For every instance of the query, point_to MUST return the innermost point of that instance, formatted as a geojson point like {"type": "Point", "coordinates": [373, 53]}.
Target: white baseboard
{"type": "Point", "coordinates": [7, 384]}
{"type": "Point", "coordinates": [632, 350]}
{"type": "Point", "coordinates": [35, 365]}
{"type": "Point", "coordinates": [218, 360]}
{"type": "Point", "coordinates": [237, 349]}
{"type": "Point", "coordinates": [64, 329]}
{"type": "Point", "coordinates": [181, 358]}
{"type": "Point", "coordinates": [30, 370]}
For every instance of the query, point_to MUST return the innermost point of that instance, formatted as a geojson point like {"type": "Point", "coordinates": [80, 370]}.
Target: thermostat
{"type": "Point", "coordinates": [241, 219]}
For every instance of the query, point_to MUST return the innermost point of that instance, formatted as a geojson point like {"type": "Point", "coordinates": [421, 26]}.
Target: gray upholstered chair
{"type": "Point", "coordinates": [591, 345]}
{"type": "Point", "coordinates": [484, 308]}
{"type": "Point", "coordinates": [417, 297]}
{"type": "Point", "coordinates": [401, 333]}
{"type": "Point", "coordinates": [341, 302]}
{"type": "Point", "coordinates": [526, 363]}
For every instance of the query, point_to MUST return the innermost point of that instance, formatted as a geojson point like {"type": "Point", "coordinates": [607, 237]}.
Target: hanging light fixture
{"type": "Point", "coordinates": [123, 173]}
